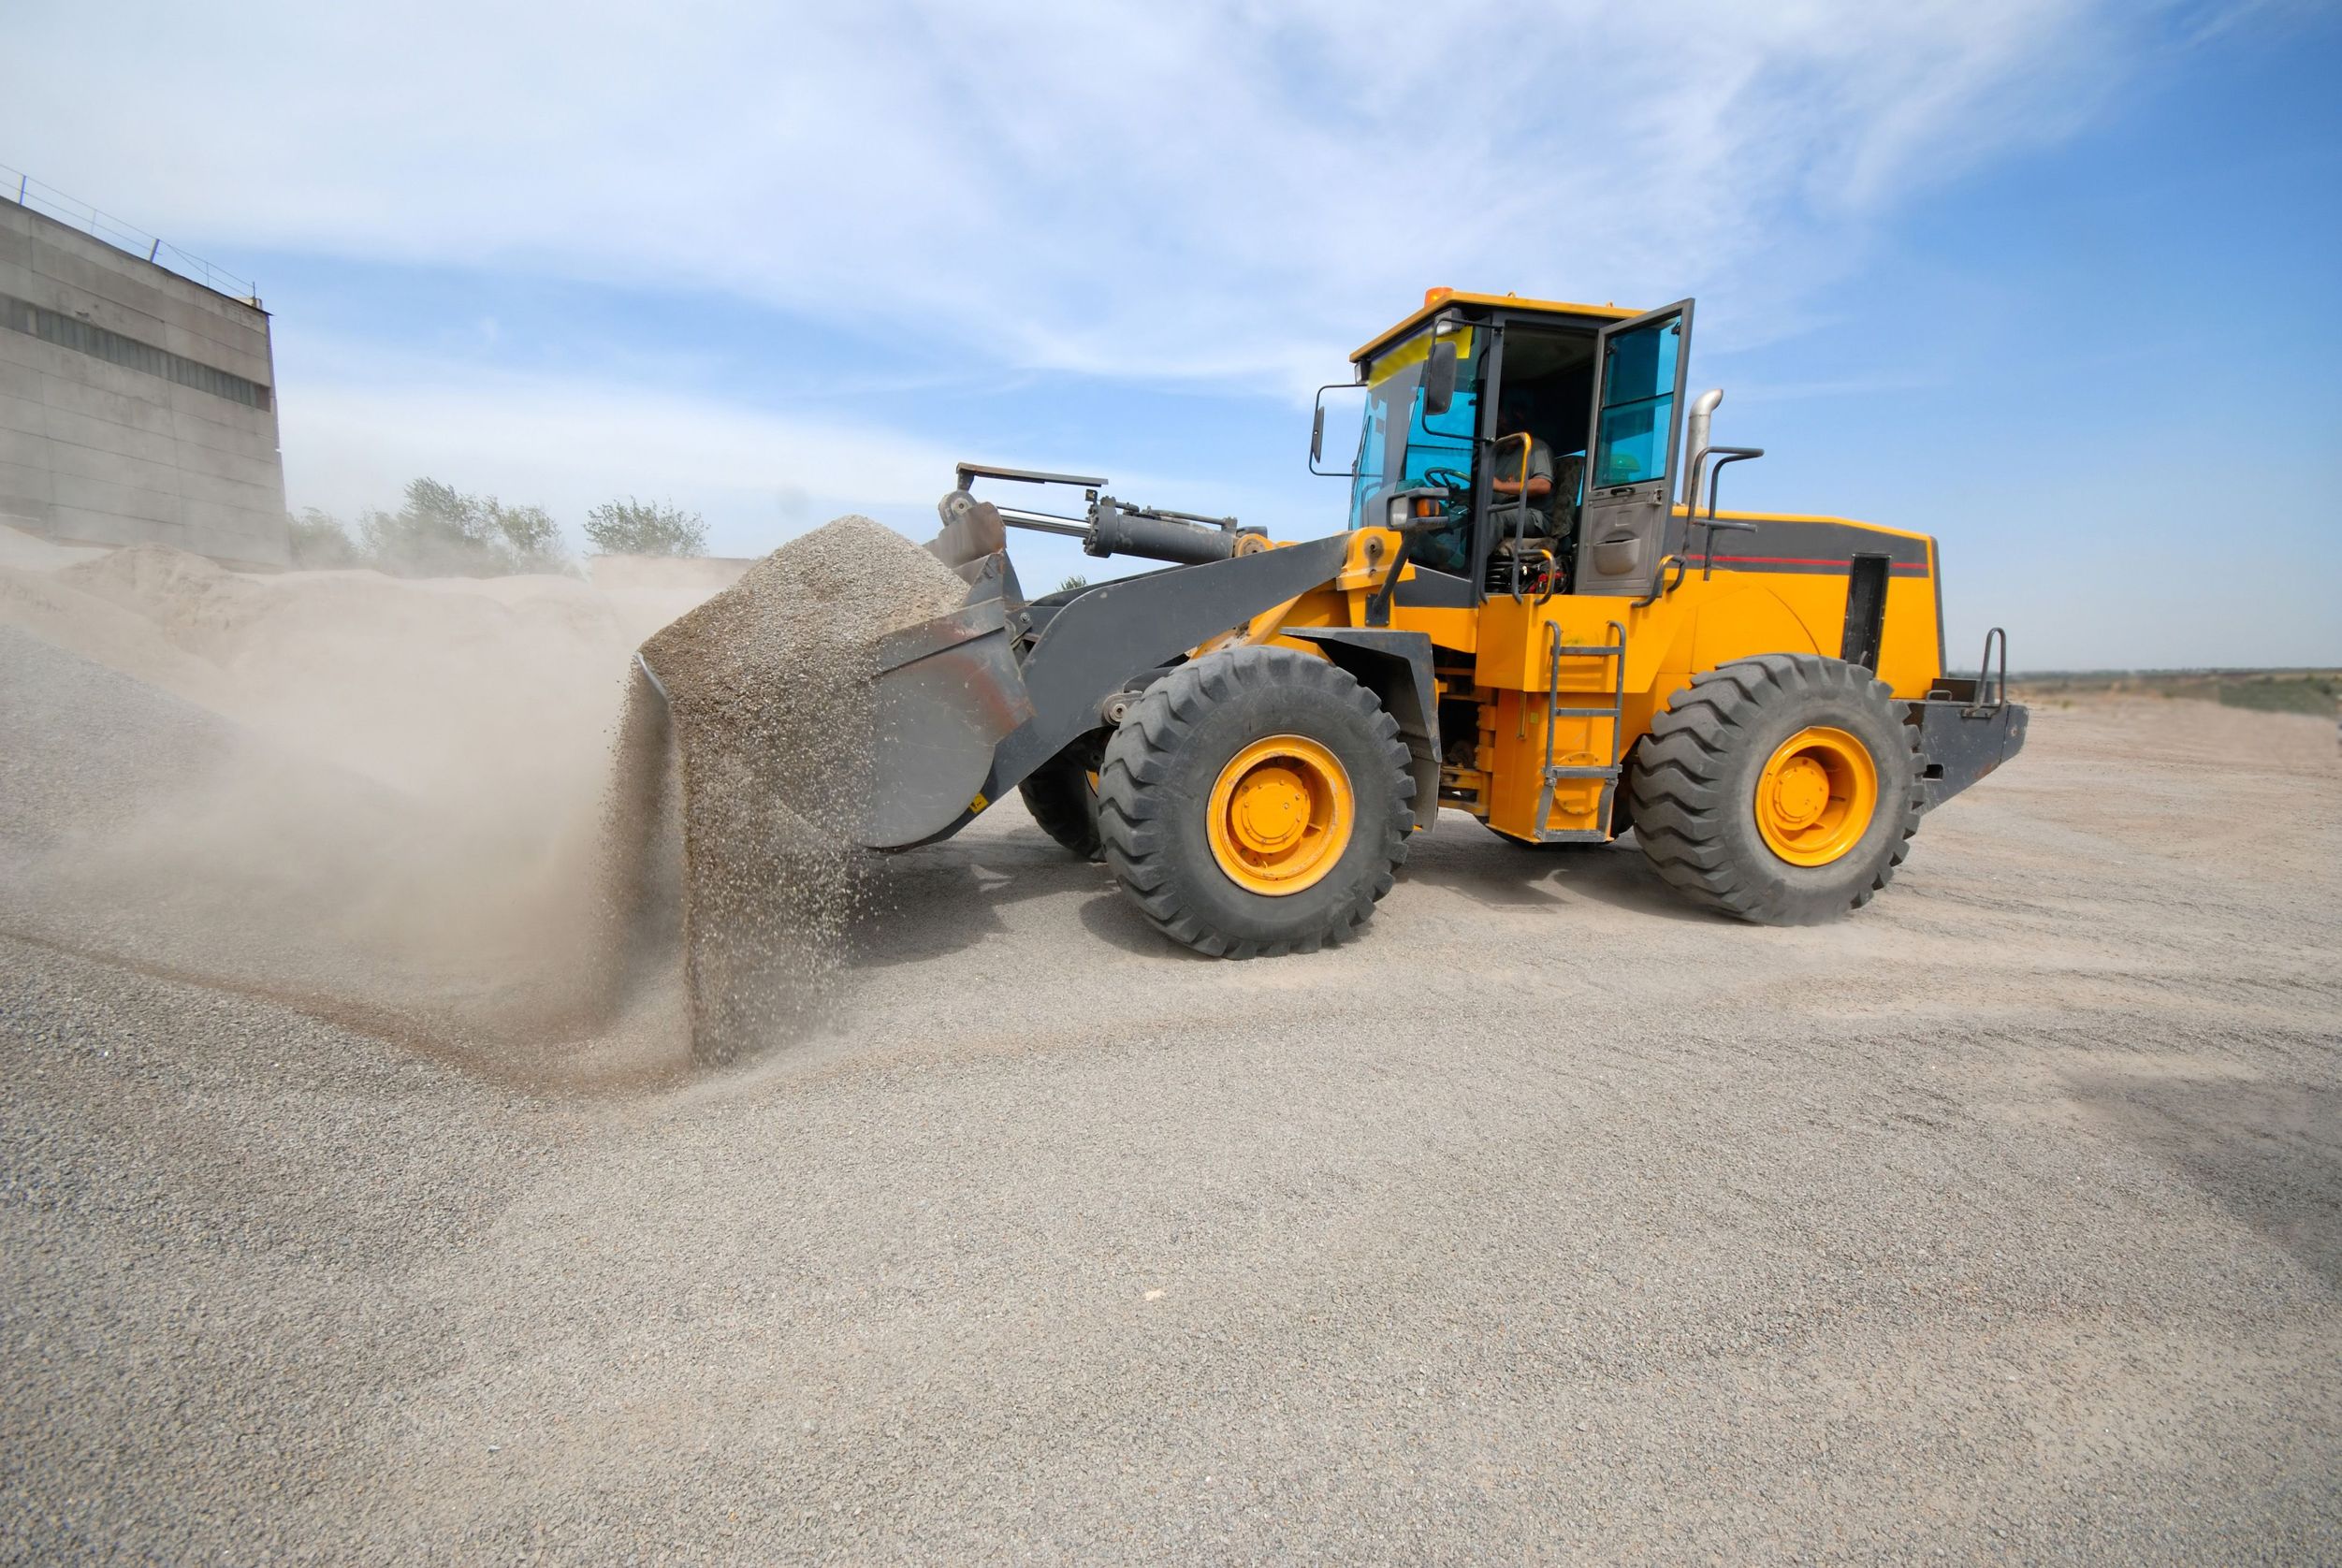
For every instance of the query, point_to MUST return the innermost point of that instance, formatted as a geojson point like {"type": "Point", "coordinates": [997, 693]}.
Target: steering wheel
{"type": "Point", "coordinates": [1459, 484]}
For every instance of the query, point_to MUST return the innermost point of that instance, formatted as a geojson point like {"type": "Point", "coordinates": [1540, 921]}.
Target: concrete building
{"type": "Point", "coordinates": [137, 406]}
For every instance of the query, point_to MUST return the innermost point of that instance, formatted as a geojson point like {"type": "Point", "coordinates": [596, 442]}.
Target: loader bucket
{"type": "Point", "coordinates": [948, 690]}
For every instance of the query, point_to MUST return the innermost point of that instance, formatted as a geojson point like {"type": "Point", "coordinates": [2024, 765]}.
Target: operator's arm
{"type": "Point", "coordinates": [1540, 474]}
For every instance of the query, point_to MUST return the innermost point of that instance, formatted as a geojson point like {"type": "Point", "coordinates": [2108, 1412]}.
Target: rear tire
{"type": "Point", "coordinates": [1701, 782]}
{"type": "Point", "coordinates": [1063, 799]}
{"type": "Point", "coordinates": [1245, 724]}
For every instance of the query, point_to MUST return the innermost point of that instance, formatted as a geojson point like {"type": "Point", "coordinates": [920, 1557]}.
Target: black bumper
{"type": "Point", "coordinates": [1960, 742]}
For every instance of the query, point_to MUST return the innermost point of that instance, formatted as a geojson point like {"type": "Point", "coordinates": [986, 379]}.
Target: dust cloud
{"type": "Point", "coordinates": [431, 809]}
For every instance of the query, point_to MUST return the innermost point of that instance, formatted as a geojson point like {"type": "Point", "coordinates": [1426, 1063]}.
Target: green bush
{"type": "Point", "coordinates": [636, 528]}
{"type": "Point", "coordinates": [320, 543]}
{"type": "Point", "coordinates": [440, 533]}
{"type": "Point", "coordinates": [2310, 694]}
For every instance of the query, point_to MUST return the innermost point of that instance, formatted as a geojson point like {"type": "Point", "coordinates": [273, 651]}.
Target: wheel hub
{"type": "Point", "coordinates": [1801, 791]}
{"type": "Point", "coordinates": [1280, 815]}
{"type": "Point", "coordinates": [1817, 796]}
{"type": "Point", "coordinates": [1271, 810]}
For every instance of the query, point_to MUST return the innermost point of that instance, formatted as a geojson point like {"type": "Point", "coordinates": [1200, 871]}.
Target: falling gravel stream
{"type": "Point", "coordinates": [769, 696]}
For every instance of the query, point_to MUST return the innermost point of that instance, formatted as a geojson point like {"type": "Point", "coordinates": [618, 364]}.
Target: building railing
{"type": "Point", "coordinates": [30, 194]}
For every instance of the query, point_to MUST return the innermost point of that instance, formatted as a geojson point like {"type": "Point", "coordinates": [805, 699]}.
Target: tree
{"type": "Point", "coordinates": [440, 531]}
{"type": "Point", "coordinates": [637, 528]}
{"type": "Point", "coordinates": [1072, 582]}
{"type": "Point", "coordinates": [320, 540]}
{"type": "Point", "coordinates": [528, 532]}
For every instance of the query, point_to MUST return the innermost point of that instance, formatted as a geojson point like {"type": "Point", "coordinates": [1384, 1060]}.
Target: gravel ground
{"type": "Point", "coordinates": [1552, 1220]}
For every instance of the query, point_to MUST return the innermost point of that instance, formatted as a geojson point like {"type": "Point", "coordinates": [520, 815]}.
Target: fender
{"type": "Point", "coordinates": [1396, 666]}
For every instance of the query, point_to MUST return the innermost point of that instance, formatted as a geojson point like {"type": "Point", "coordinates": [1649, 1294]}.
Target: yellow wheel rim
{"type": "Point", "coordinates": [1816, 796]}
{"type": "Point", "coordinates": [1280, 815]}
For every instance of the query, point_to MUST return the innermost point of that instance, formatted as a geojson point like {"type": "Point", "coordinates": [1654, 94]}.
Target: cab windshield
{"type": "Point", "coordinates": [1399, 448]}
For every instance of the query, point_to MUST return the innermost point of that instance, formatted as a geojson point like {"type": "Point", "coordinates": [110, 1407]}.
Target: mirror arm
{"type": "Point", "coordinates": [1318, 433]}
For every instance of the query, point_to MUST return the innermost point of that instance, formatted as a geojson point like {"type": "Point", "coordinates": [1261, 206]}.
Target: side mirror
{"type": "Point", "coordinates": [1439, 378]}
{"type": "Point", "coordinates": [1318, 433]}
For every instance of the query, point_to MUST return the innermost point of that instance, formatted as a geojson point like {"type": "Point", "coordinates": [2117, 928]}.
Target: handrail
{"type": "Point", "coordinates": [1520, 503]}
{"type": "Point", "coordinates": [50, 202]}
{"type": "Point", "coordinates": [1715, 525]}
{"type": "Point", "coordinates": [1660, 586]}
{"type": "Point", "coordinates": [1986, 678]}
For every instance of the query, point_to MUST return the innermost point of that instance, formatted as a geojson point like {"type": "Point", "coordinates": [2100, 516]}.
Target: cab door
{"type": "Point", "coordinates": [1632, 449]}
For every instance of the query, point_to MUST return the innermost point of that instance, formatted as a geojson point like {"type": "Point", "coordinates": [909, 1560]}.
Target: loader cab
{"type": "Point", "coordinates": [1597, 391]}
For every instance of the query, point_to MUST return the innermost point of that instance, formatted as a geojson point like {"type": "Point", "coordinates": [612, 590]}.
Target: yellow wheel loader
{"type": "Point", "coordinates": [1533, 617]}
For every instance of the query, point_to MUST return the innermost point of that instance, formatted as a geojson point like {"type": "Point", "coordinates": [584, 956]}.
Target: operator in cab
{"type": "Point", "coordinates": [1511, 490]}
{"type": "Point", "coordinates": [1450, 549]}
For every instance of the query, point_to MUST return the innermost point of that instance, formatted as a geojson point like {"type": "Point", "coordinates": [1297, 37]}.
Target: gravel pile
{"type": "Point", "coordinates": [62, 776]}
{"type": "Point", "coordinates": [768, 687]}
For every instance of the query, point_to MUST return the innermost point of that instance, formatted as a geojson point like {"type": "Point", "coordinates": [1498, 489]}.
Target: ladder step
{"type": "Point", "coordinates": [1583, 713]}
{"type": "Point", "coordinates": [1592, 650]}
{"type": "Point", "coordinates": [1572, 835]}
{"type": "Point", "coordinates": [1559, 772]}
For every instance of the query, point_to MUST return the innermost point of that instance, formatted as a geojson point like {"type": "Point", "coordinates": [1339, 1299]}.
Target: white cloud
{"type": "Point", "coordinates": [1213, 190]}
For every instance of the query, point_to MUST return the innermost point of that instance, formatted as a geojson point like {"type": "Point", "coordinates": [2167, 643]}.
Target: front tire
{"type": "Point", "coordinates": [1783, 790]}
{"type": "Point", "coordinates": [1062, 795]}
{"type": "Point", "coordinates": [1256, 802]}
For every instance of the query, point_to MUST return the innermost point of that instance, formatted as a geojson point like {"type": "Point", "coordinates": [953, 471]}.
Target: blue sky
{"type": "Point", "coordinates": [2054, 281]}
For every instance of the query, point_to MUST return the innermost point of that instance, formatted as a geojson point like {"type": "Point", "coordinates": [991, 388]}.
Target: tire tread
{"type": "Point", "coordinates": [1132, 797]}
{"type": "Point", "coordinates": [1681, 781]}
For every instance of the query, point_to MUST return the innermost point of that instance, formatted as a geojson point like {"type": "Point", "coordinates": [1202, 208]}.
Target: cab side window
{"type": "Point", "coordinates": [1637, 405]}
